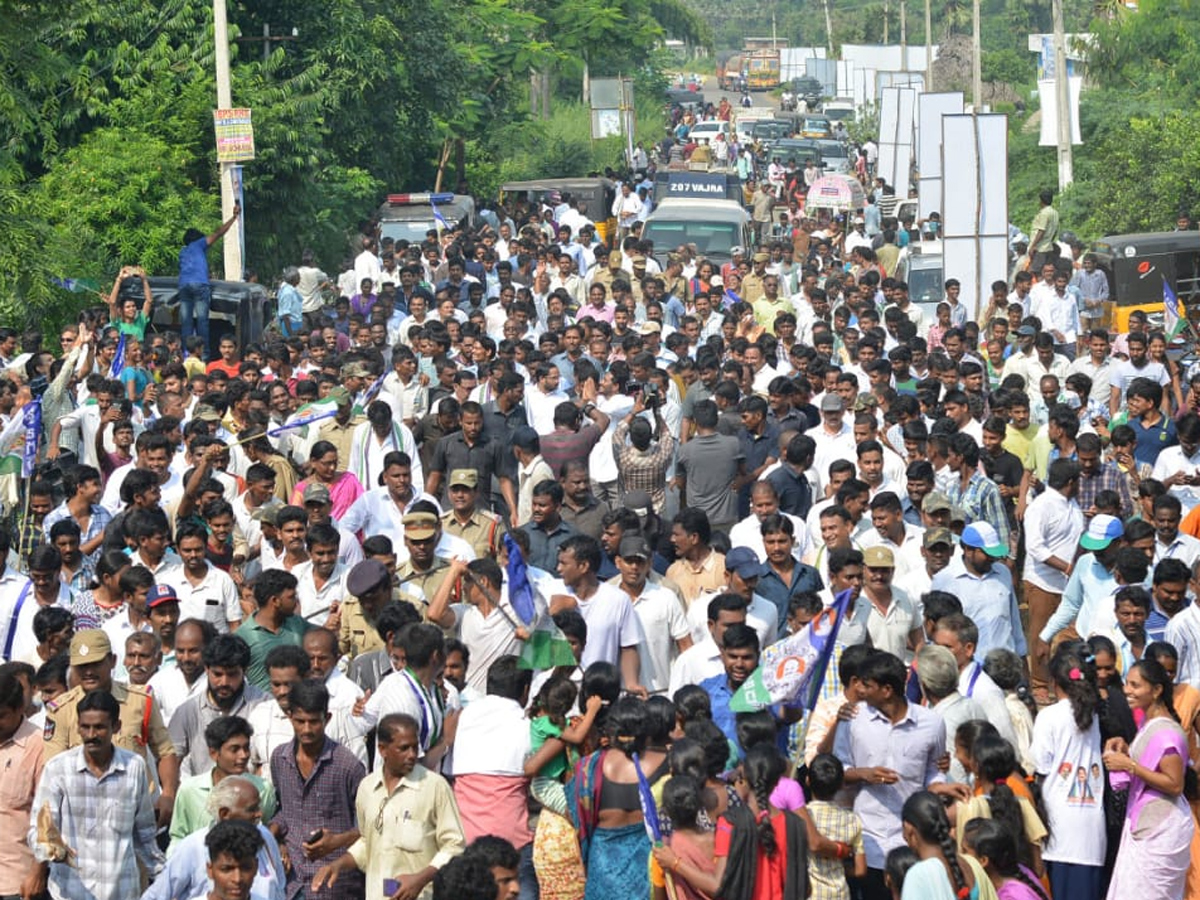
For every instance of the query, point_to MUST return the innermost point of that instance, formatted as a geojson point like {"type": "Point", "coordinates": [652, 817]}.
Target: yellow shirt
{"type": "Point", "coordinates": [414, 827]}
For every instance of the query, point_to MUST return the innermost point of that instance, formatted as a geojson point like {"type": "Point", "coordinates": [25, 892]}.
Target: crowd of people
{"type": "Point", "coordinates": [259, 642]}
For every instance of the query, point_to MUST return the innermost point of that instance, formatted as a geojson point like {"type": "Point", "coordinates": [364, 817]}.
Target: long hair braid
{"type": "Point", "coordinates": [766, 833]}
{"type": "Point", "coordinates": [1034, 886]}
{"type": "Point", "coordinates": [945, 839]}
{"type": "Point", "coordinates": [762, 769]}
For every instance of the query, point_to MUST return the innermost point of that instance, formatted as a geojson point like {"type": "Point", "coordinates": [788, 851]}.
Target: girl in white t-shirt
{"type": "Point", "coordinates": [1066, 753]}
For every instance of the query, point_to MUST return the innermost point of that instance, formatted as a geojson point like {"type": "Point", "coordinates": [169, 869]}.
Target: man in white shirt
{"type": "Point", "coordinates": [891, 531]}
{"type": "Point", "coordinates": [321, 645]}
{"type": "Point", "coordinates": [485, 622]}
{"type": "Point", "coordinates": [1053, 526]}
{"type": "Point", "coordinates": [958, 634]}
{"type": "Point", "coordinates": [205, 592]}
{"type": "Point", "coordinates": [542, 397]}
{"type": "Point", "coordinates": [703, 659]}
{"type": "Point", "coordinates": [367, 264]}
{"type": "Point", "coordinates": [1178, 467]}
{"type": "Point", "coordinates": [1169, 541]}
{"type": "Point", "coordinates": [659, 611]}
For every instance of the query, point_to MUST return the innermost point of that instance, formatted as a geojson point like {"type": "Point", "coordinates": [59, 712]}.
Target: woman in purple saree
{"type": "Point", "coordinates": [1156, 839]}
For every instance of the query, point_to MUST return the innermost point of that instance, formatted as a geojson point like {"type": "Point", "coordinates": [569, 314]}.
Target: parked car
{"type": "Point", "coordinates": [239, 308]}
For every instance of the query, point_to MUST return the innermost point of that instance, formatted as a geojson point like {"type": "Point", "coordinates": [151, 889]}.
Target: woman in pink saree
{"type": "Point", "coordinates": [1156, 839]}
{"type": "Point", "coordinates": [343, 487]}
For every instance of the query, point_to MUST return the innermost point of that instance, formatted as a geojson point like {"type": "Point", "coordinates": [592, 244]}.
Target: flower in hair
{"type": "Point", "coordinates": [1075, 675]}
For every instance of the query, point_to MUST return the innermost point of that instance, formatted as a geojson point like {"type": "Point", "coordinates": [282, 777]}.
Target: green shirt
{"type": "Point", "coordinates": [1046, 221]}
{"type": "Point", "coordinates": [191, 805]}
{"type": "Point", "coordinates": [262, 641]}
{"type": "Point", "coordinates": [136, 328]}
{"type": "Point", "coordinates": [540, 729]}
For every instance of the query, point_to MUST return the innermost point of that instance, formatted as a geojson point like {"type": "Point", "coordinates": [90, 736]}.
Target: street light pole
{"type": "Point", "coordinates": [1062, 98]}
{"type": "Point", "coordinates": [232, 242]}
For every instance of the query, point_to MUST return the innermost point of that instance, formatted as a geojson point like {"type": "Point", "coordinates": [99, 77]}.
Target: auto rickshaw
{"type": "Point", "coordinates": [1136, 265]}
{"type": "Point", "coordinates": [598, 192]}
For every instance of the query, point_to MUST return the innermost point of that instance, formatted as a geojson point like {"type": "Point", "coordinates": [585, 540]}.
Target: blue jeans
{"type": "Point", "coordinates": [527, 876]}
{"type": "Point", "coordinates": [195, 300]}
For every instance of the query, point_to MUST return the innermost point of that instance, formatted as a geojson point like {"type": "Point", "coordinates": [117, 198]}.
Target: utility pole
{"type": "Point", "coordinates": [903, 35]}
{"type": "Point", "coordinates": [232, 242]}
{"type": "Point", "coordinates": [829, 28]}
{"type": "Point", "coordinates": [887, 11]}
{"type": "Point", "coordinates": [1062, 97]}
{"type": "Point", "coordinates": [976, 60]}
{"type": "Point", "coordinates": [928, 47]}
{"type": "Point", "coordinates": [774, 45]}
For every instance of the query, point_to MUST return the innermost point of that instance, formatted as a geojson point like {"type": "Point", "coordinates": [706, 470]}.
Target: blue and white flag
{"type": "Point", "coordinates": [438, 217]}
{"type": "Point", "coordinates": [118, 363]}
{"type": "Point", "coordinates": [32, 421]}
{"type": "Point", "coordinates": [1174, 315]}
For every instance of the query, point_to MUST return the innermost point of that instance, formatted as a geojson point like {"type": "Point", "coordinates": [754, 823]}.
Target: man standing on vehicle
{"type": "Point", "coordinates": [626, 208]}
{"type": "Point", "coordinates": [195, 289]}
{"type": "Point", "coordinates": [1045, 232]}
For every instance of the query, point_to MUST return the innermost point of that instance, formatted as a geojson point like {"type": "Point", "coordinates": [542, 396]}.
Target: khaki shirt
{"type": "Point", "coordinates": [483, 531]}
{"type": "Point", "coordinates": [414, 827]}
{"type": "Point", "coordinates": [356, 635]}
{"type": "Point", "coordinates": [142, 729]}
{"type": "Point", "coordinates": [428, 582]}
{"type": "Point", "coordinates": [340, 436]}
{"type": "Point", "coordinates": [752, 288]}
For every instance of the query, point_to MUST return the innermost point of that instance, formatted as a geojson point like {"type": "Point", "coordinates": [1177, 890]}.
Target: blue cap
{"type": "Point", "coordinates": [1101, 532]}
{"type": "Point", "coordinates": [743, 561]}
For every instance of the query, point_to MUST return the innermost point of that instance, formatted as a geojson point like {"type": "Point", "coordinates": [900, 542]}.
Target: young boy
{"type": "Point", "coordinates": [828, 875]}
{"type": "Point", "coordinates": [233, 851]}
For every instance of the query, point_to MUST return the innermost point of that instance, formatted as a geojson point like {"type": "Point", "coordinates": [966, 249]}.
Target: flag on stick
{"type": "Point", "coordinates": [792, 670]}
{"type": "Point", "coordinates": [1174, 316]}
{"type": "Point", "coordinates": [118, 363]}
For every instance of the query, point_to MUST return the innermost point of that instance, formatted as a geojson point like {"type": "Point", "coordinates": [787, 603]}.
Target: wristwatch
{"type": "Point", "coordinates": [587, 408]}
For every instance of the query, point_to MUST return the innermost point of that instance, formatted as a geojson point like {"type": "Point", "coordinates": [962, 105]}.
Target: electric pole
{"type": "Point", "coordinates": [976, 60]}
{"type": "Point", "coordinates": [904, 35]}
{"type": "Point", "coordinates": [232, 242]}
{"type": "Point", "coordinates": [928, 47]}
{"type": "Point", "coordinates": [1062, 97]}
{"type": "Point", "coordinates": [829, 28]}
{"type": "Point", "coordinates": [887, 11]}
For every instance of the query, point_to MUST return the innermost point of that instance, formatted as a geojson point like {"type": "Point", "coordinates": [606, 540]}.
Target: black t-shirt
{"type": "Point", "coordinates": [1006, 470]}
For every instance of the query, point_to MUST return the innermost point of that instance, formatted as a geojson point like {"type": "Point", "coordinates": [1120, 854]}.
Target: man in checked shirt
{"type": "Point", "coordinates": [642, 462]}
{"type": "Point", "coordinates": [98, 797]}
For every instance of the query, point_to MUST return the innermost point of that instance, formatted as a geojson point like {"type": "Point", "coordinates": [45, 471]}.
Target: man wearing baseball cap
{"type": "Point", "coordinates": [742, 571]}
{"type": "Point", "coordinates": [658, 610]}
{"type": "Point", "coordinates": [937, 547]}
{"type": "Point", "coordinates": [142, 729]}
{"type": "Point", "coordinates": [1086, 607]}
{"type": "Point", "coordinates": [983, 583]}
{"type": "Point", "coordinates": [887, 614]}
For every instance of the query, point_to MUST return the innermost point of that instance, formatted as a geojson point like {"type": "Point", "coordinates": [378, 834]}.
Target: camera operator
{"type": "Point", "coordinates": [645, 452]}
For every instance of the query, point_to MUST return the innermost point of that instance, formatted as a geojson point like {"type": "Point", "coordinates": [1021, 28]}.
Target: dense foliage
{"type": "Point", "coordinates": [106, 138]}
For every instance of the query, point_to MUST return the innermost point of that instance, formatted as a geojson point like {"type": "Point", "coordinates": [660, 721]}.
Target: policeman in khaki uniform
{"type": "Point", "coordinates": [752, 284]}
{"type": "Point", "coordinates": [481, 529]}
{"type": "Point", "coordinates": [369, 585]}
{"type": "Point", "coordinates": [609, 273]}
{"type": "Point", "coordinates": [142, 729]}
{"type": "Point", "coordinates": [424, 568]}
